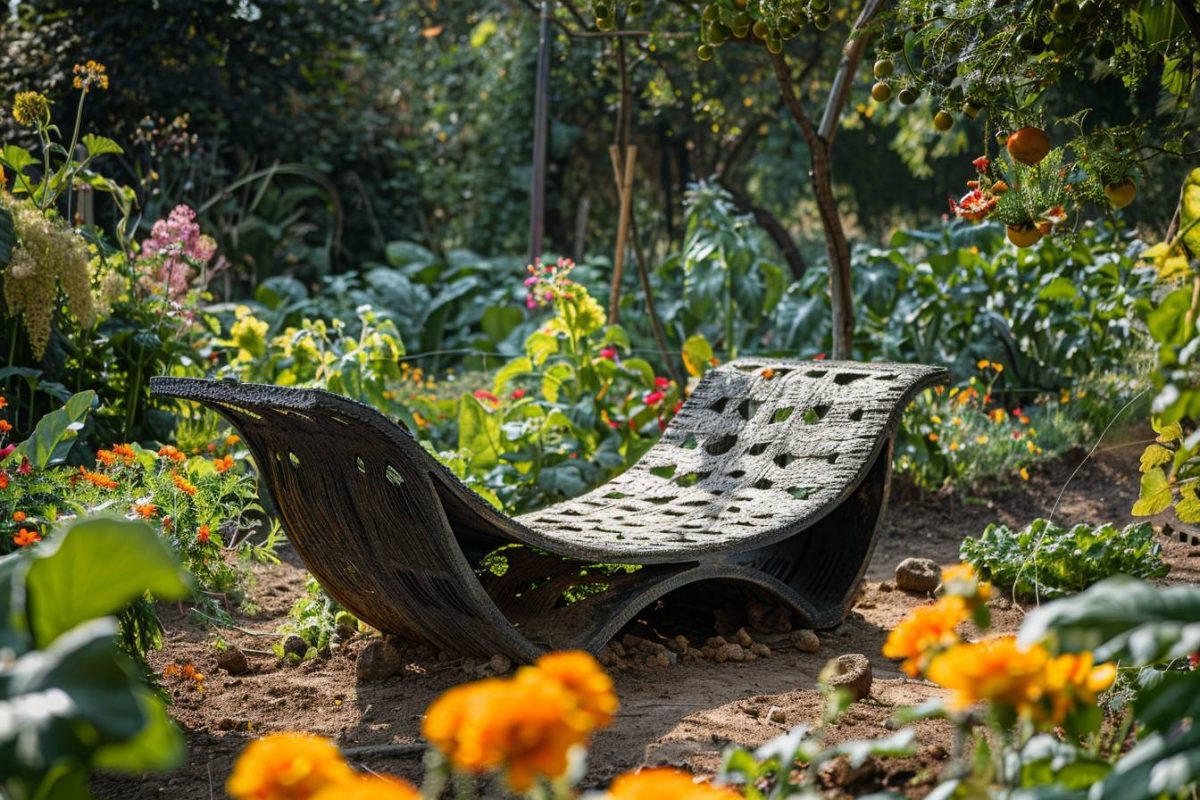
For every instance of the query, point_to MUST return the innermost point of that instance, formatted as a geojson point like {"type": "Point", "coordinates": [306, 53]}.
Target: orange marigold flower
{"type": "Point", "coordinates": [145, 510]}
{"type": "Point", "coordinates": [3, 401]}
{"type": "Point", "coordinates": [583, 677]}
{"type": "Point", "coordinates": [3, 479]}
{"type": "Point", "coordinates": [664, 782]}
{"type": "Point", "coordinates": [106, 457]}
{"type": "Point", "coordinates": [369, 787]}
{"type": "Point", "coordinates": [25, 537]}
{"type": "Point", "coordinates": [287, 766]}
{"type": "Point", "coordinates": [5, 426]}
{"type": "Point", "coordinates": [768, 373]}
{"type": "Point", "coordinates": [232, 439]}
{"type": "Point", "coordinates": [933, 437]}
{"type": "Point", "coordinates": [223, 464]}
{"type": "Point", "coordinates": [525, 727]}
{"type": "Point", "coordinates": [923, 632]}
{"type": "Point", "coordinates": [203, 534]}
{"type": "Point", "coordinates": [961, 581]}
{"type": "Point", "coordinates": [124, 451]}
{"type": "Point", "coordinates": [171, 452]}
{"type": "Point", "coordinates": [18, 516]}
{"type": "Point", "coordinates": [997, 415]}
{"type": "Point", "coordinates": [1024, 473]}
{"type": "Point", "coordinates": [96, 479]}
{"type": "Point", "coordinates": [184, 485]}
{"type": "Point", "coordinates": [1071, 680]}
{"type": "Point", "coordinates": [995, 670]}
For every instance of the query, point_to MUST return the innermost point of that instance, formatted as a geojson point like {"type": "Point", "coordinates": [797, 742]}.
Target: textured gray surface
{"type": "Point", "coordinates": [776, 483]}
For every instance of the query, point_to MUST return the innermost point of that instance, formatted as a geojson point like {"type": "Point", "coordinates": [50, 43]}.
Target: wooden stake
{"type": "Point", "coordinates": [625, 193]}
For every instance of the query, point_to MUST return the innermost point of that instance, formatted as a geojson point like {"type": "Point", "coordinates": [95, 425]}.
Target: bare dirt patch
{"type": "Point", "coordinates": [683, 714]}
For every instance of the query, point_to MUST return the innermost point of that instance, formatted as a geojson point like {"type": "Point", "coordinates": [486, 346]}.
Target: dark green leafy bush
{"type": "Point", "coordinates": [1046, 560]}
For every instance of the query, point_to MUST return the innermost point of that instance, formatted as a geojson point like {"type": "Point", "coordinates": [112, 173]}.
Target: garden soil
{"type": "Point", "coordinates": [683, 714]}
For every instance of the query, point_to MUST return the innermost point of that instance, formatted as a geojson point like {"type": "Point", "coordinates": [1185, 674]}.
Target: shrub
{"type": "Point", "coordinates": [1044, 560]}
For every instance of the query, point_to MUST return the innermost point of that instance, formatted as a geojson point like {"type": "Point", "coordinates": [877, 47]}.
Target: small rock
{"type": "Point", "coordinates": [919, 575]}
{"type": "Point", "coordinates": [470, 663]}
{"type": "Point", "coordinates": [378, 661]}
{"type": "Point", "coordinates": [729, 652]}
{"type": "Point", "coordinates": [776, 714]}
{"type": "Point", "coordinates": [851, 672]}
{"type": "Point", "coordinates": [1003, 603]}
{"type": "Point", "coordinates": [759, 649]}
{"type": "Point", "coordinates": [805, 641]}
{"type": "Point", "coordinates": [679, 644]}
{"type": "Point", "coordinates": [693, 654]}
{"type": "Point", "coordinates": [934, 752]}
{"type": "Point", "coordinates": [887, 586]}
{"type": "Point", "coordinates": [749, 656]}
{"type": "Point", "coordinates": [743, 638]}
{"type": "Point", "coordinates": [496, 665]}
{"type": "Point", "coordinates": [618, 649]}
{"type": "Point", "coordinates": [631, 642]}
{"type": "Point", "coordinates": [233, 661]}
{"type": "Point", "coordinates": [838, 773]}
{"type": "Point", "coordinates": [715, 642]}
{"type": "Point", "coordinates": [294, 645]}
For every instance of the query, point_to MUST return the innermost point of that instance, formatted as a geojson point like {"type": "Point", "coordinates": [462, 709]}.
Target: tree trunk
{"type": "Point", "coordinates": [537, 189]}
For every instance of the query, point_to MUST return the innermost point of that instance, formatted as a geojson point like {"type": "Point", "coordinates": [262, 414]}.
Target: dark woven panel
{"type": "Point", "coordinates": [775, 483]}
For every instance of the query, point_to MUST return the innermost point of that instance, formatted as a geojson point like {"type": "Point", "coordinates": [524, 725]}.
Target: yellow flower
{"type": "Point", "coordinates": [664, 782]}
{"type": "Point", "coordinates": [956, 422]}
{"type": "Point", "coordinates": [31, 108]}
{"type": "Point", "coordinates": [287, 766]}
{"type": "Point", "coordinates": [962, 581]}
{"type": "Point", "coordinates": [981, 439]}
{"type": "Point", "coordinates": [995, 670]}
{"type": "Point", "coordinates": [935, 419]}
{"type": "Point", "coordinates": [369, 787]}
{"type": "Point", "coordinates": [954, 447]}
{"type": "Point", "coordinates": [997, 415]}
{"type": "Point", "coordinates": [1071, 680]}
{"type": "Point", "coordinates": [997, 367]}
{"type": "Point", "coordinates": [982, 364]}
{"type": "Point", "coordinates": [923, 632]}
{"type": "Point", "coordinates": [1064, 398]}
{"type": "Point", "coordinates": [248, 334]}
{"type": "Point", "coordinates": [1024, 473]}
{"type": "Point", "coordinates": [90, 74]}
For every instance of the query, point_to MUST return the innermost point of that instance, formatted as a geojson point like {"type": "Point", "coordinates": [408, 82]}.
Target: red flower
{"type": "Point", "coordinates": [612, 423]}
{"type": "Point", "coordinates": [653, 398]}
{"type": "Point", "coordinates": [661, 382]}
{"type": "Point", "coordinates": [982, 163]}
{"type": "Point", "coordinates": [3, 479]}
{"type": "Point", "coordinates": [610, 353]}
{"type": "Point", "coordinates": [662, 425]}
{"type": "Point", "coordinates": [25, 467]}
{"type": "Point", "coordinates": [517, 394]}
{"type": "Point", "coordinates": [678, 406]}
{"type": "Point", "coordinates": [203, 534]}
{"type": "Point", "coordinates": [484, 394]}
{"type": "Point", "coordinates": [819, 357]}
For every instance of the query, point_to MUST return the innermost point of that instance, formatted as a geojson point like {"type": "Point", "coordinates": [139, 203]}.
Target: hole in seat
{"type": "Point", "coordinates": [747, 408]}
{"type": "Point", "coordinates": [782, 414]}
{"type": "Point", "coordinates": [783, 459]}
{"type": "Point", "coordinates": [856, 415]}
{"type": "Point", "coordinates": [393, 475]}
{"type": "Point", "coordinates": [816, 373]}
{"type": "Point", "coordinates": [663, 472]}
{"type": "Point", "coordinates": [846, 378]}
{"type": "Point", "coordinates": [763, 483]}
{"type": "Point", "coordinates": [616, 495]}
{"type": "Point", "coordinates": [719, 405]}
{"type": "Point", "coordinates": [691, 478]}
{"type": "Point", "coordinates": [888, 377]}
{"type": "Point", "coordinates": [660, 501]}
{"type": "Point", "coordinates": [737, 473]}
{"type": "Point", "coordinates": [689, 443]}
{"type": "Point", "coordinates": [721, 445]}
{"type": "Point", "coordinates": [758, 449]}
{"type": "Point", "coordinates": [816, 413]}
{"type": "Point", "coordinates": [800, 492]}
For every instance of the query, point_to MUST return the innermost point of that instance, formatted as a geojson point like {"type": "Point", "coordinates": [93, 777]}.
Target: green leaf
{"type": "Point", "coordinates": [513, 369]}
{"type": "Point", "coordinates": [65, 586]}
{"type": "Point", "coordinates": [641, 368]}
{"type": "Point", "coordinates": [100, 145]}
{"type": "Point", "coordinates": [1154, 494]}
{"type": "Point", "coordinates": [55, 433]}
{"type": "Point", "coordinates": [1154, 456]}
{"type": "Point", "coordinates": [1167, 432]}
{"type": "Point", "coordinates": [697, 354]}
{"type": "Point", "coordinates": [158, 747]}
{"type": "Point", "coordinates": [478, 432]}
{"type": "Point", "coordinates": [540, 346]}
{"type": "Point", "coordinates": [1189, 212]}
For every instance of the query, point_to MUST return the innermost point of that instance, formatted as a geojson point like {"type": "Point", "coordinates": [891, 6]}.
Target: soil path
{"type": "Point", "coordinates": [683, 714]}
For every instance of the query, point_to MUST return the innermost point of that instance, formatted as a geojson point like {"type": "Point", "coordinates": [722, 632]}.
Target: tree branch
{"type": "Point", "coordinates": [788, 90]}
{"type": "Point", "coordinates": [843, 81]}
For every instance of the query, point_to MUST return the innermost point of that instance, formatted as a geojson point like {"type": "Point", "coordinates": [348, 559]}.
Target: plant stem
{"type": "Point", "coordinates": [68, 173]}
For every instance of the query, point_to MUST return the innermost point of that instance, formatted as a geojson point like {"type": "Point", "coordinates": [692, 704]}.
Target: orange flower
{"type": "Point", "coordinates": [933, 437]}
{"type": "Point", "coordinates": [1071, 680]}
{"type": "Point", "coordinates": [124, 451]}
{"type": "Point", "coordinates": [172, 453]}
{"type": "Point", "coordinates": [664, 782]}
{"type": "Point", "coordinates": [18, 516]}
{"type": "Point", "coordinates": [203, 534]}
{"type": "Point", "coordinates": [184, 485]}
{"type": "Point", "coordinates": [3, 401]}
{"type": "Point", "coordinates": [997, 415]}
{"type": "Point", "coordinates": [5, 426]}
{"type": "Point", "coordinates": [223, 464]}
{"type": "Point", "coordinates": [369, 787]}
{"type": "Point", "coordinates": [768, 373]}
{"type": "Point", "coordinates": [582, 676]}
{"type": "Point", "coordinates": [106, 457]}
{"type": "Point", "coordinates": [995, 670]}
{"type": "Point", "coordinates": [527, 725]}
{"type": "Point", "coordinates": [923, 632]}
{"type": "Point", "coordinates": [26, 537]}
{"type": "Point", "coordinates": [287, 766]}
{"type": "Point", "coordinates": [96, 479]}
{"type": "Point", "coordinates": [145, 510]}
{"type": "Point", "coordinates": [232, 439]}
{"type": "Point", "coordinates": [1024, 473]}
{"type": "Point", "coordinates": [3, 479]}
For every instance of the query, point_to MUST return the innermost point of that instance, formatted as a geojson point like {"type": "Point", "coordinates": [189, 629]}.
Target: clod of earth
{"type": "Point", "coordinates": [378, 661]}
{"type": "Point", "coordinates": [851, 672]}
{"type": "Point", "coordinates": [919, 575]}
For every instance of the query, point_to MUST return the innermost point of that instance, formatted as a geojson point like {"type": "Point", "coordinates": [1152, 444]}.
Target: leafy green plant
{"type": "Point", "coordinates": [1044, 560]}
{"type": "Point", "coordinates": [72, 701]}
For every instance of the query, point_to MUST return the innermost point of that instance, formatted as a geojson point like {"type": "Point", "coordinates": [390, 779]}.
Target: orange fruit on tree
{"type": "Point", "coordinates": [943, 121]}
{"type": "Point", "coordinates": [1121, 193]}
{"type": "Point", "coordinates": [1028, 145]}
{"type": "Point", "coordinates": [881, 92]}
{"type": "Point", "coordinates": [1023, 235]}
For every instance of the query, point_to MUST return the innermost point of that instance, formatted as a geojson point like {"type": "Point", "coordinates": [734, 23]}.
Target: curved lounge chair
{"type": "Point", "coordinates": [777, 483]}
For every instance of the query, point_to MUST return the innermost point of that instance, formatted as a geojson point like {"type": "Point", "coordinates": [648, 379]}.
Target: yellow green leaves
{"type": "Point", "coordinates": [1169, 261]}
{"type": "Point", "coordinates": [1154, 494]}
{"type": "Point", "coordinates": [697, 355]}
{"type": "Point", "coordinates": [1154, 456]}
{"type": "Point", "coordinates": [1189, 213]}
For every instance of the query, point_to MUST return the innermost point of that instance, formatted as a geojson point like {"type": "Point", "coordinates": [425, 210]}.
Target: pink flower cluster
{"type": "Point", "coordinates": [175, 251]}
{"type": "Point", "coordinates": [547, 282]}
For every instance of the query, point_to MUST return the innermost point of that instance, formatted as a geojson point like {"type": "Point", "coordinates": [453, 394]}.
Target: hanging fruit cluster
{"type": "Point", "coordinates": [771, 21]}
